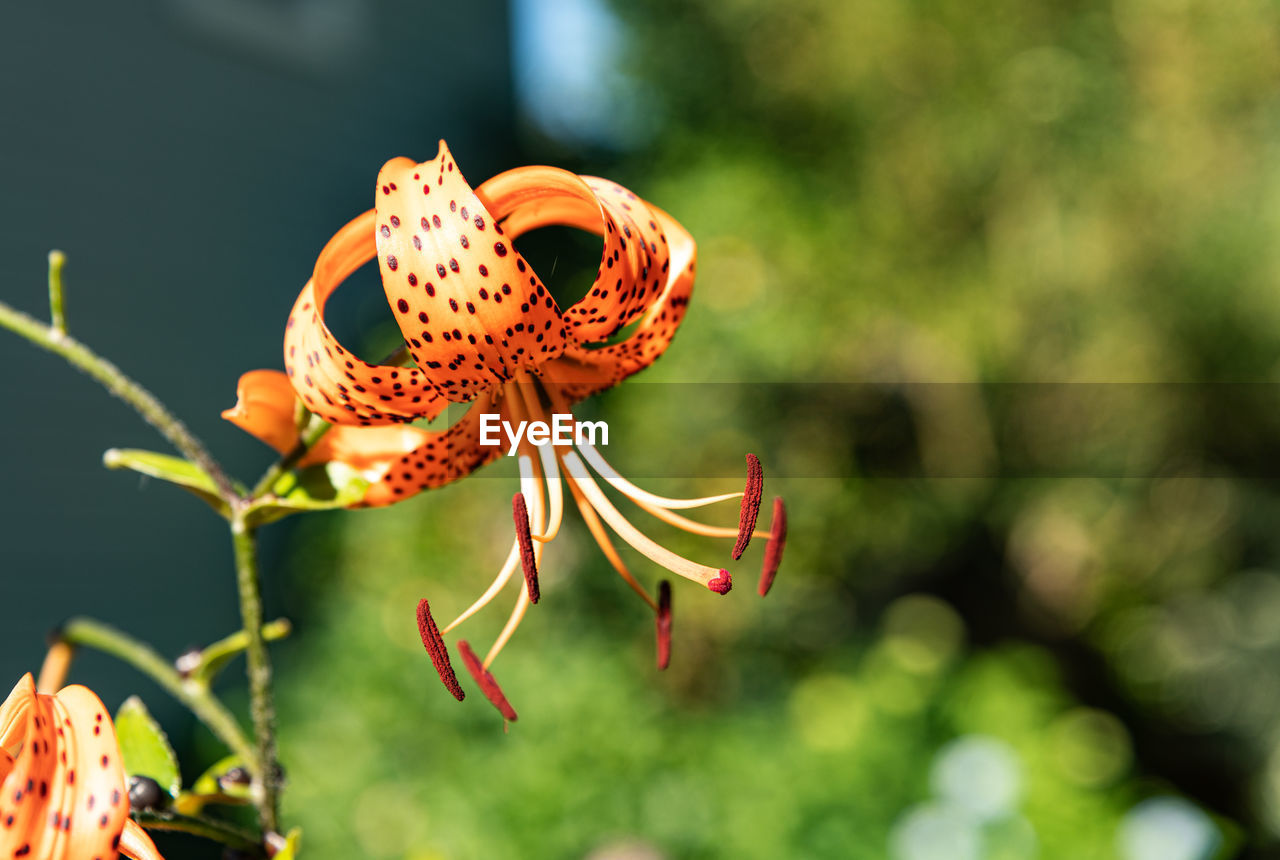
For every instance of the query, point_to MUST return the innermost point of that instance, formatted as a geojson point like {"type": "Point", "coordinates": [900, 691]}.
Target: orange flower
{"type": "Point", "coordinates": [483, 329]}
{"type": "Point", "coordinates": [63, 795]}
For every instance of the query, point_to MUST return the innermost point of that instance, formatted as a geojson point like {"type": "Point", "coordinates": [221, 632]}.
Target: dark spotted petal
{"type": "Point", "coordinates": [469, 306]}
{"type": "Point", "coordinates": [635, 262]}
{"type": "Point", "coordinates": [583, 371]}
{"type": "Point", "coordinates": [333, 382]}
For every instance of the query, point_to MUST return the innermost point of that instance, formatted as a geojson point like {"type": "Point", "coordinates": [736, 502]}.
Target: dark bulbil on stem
{"type": "Point", "coordinates": [146, 793]}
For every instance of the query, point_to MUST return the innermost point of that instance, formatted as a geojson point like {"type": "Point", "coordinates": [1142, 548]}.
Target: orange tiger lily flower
{"type": "Point", "coordinates": [63, 792]}
{"type": "Point", "coordinates": [483, 329]}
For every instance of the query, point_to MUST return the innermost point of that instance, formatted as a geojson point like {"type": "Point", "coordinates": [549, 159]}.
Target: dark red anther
{"type": "Point", "coordinates": [527, 561]}
{"type": "Point", "coordinates": [722, 583]}
{"type": "Point", "coordinates": [663, 624]}
{"type": "Point", "coordinates": [434, 643]}
{"type": "Point", "coordinates": [750, 505]}
{"type": "Point", "coordinates": [773, 549]}
{"type": "Point", "coordinates": [488, 684]}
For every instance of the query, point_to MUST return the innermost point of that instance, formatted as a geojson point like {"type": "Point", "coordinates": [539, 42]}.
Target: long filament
{"type": "Point", "coordinates": [713, 578]}
{"type": "Point", "coordinates": [504, 576]}
{"type": "Point", "coordinates": [643, 497]}
{"type": "Point", "coordinates": [598, 531]}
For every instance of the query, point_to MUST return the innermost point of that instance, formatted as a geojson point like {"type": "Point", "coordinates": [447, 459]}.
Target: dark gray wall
{"type": "Point", "coordinates": [191, 164]}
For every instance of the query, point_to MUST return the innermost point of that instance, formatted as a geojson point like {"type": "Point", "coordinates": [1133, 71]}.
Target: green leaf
{"type": "Point", "coordinates": [144, 747]}
{"type": "Point", "coordinates": [175, 470]}
{"type": "Point", "coordinates": [315, 488]}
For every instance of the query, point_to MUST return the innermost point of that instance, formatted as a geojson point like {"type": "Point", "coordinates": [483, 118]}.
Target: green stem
{"type": "Point", "coordinates": [261, 705]}
{"type": "Point", "coordinates": [208, 709]}
{"type": "Point", "coordinates": [57, 260]}
{"type": "Point", "coordinates": [57, 341]}
{"type": "Point", "coordinates": [310, 436]}
{"type": "Point", "coordinates": [214, 657]}
{"type": "Point", "coordinates": [218, 831]}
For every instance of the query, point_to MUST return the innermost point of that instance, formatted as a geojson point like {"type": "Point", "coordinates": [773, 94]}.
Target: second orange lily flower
{"type": "Point", "coordinates": [62, 787]}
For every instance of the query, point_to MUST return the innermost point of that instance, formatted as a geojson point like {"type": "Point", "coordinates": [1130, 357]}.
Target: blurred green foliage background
{"type": "Point", "coordinates": [1056, 665]}
{"type": "Point", "coordinates": [1019, 617]}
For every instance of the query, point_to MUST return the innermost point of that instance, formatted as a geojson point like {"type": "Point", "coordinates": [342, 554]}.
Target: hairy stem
{"type": "Point", "coordinates": [208, 709]}
{"type": "Point", "coordinates": [57, 341]}
{"type": "Point", "coordinates": [261, 704]}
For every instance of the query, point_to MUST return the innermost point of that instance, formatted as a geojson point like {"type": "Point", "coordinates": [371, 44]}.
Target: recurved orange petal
{"type": "Point", "coordinates": [470, 308]}
{"type": "Point", "coordinates": [265, 403]}
{"type": "Point", "coordinates": [333, 382]}
{"type": "Point", "coordinates": [583, 371]}
{"type": "Point", "coordinates": [636, 259]}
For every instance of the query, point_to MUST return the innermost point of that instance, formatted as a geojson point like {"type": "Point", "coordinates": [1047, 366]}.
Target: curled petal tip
{"type": "Point", "coordinates": [773, 549]}
{"type": "Point", "coordinates": [434, 643]}
{"type": "Point", "coordinates": [528, 562]}
{"type": "Point", "coordinates": [484, 678]}
{"type": "Point", "coordinates": [136, 843]}
{"type": "Point", "coordinates": [722, 583]}
{"type": "Point", "coordinates": [663, 624]}
{"type": "Point", "coordinates": [751, 496]}
{"type": "Point", "coordinates": [265, 403]}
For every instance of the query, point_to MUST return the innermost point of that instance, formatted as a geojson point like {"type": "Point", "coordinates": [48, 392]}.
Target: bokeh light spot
{"type": "Point", "coordinates": [922, 633]}
{"type": "Point", "coordinates": [830, 712]}
{"type": "Point", "coordinates": [1167, 828]}
{"type": "Point", "coordinates": [1090, 747]}
{"type": "Point", "coordinates": [979, 774]}
{"type": "Point", "coordinates": [935, 831]}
